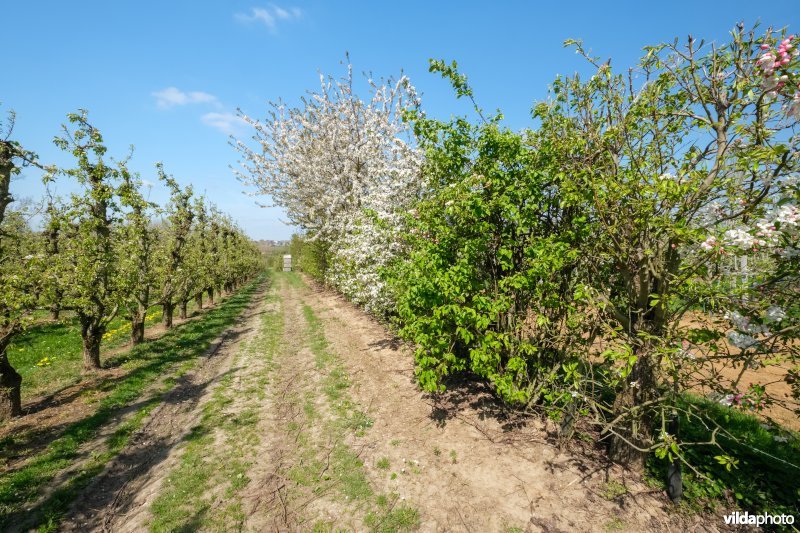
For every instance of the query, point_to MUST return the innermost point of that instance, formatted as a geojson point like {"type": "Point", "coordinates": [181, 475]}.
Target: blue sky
{"type": "Point", "coordinates": [168, 76]}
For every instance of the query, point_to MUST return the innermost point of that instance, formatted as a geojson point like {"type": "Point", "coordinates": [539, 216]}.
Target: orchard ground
{"type": "Point", "coordinates": [305, 415]}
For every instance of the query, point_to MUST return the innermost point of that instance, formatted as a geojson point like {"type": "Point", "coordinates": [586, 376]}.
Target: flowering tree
{"type": "Point", "coordinates": [692, 141]}
{"type": "Point", "coordinates": [342, 168]}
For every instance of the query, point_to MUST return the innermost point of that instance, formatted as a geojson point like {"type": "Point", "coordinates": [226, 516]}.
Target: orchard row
{"type": "Point", "coordinates": [107, 250]}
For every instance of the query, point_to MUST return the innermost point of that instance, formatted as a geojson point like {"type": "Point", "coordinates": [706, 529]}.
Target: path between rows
{"type": "Point", "coordinates": [307, 418]}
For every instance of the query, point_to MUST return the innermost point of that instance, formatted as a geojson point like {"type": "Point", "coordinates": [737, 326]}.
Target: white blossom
{"type": "Point", "coordinates": [740, 340]}
{"type": "Point", "coordinates": [774, 314]}
{"type": "Point", "coordinates": [344, 170]}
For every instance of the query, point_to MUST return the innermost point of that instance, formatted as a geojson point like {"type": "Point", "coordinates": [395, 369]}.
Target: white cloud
{"type": "Point", "coordinates": [172, 96]}
{"type": "Point", "coordinates": [227, 123]}
{"type": "Point", "coordinates": [269, 16]}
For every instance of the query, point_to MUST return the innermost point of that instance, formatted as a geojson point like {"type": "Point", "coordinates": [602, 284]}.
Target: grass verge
{"type": "Point", "coordinates": [219, 450]}
{"type": "Point", "coordinates": [21, 488]}
{"type": "Point", "coordinates": [345, 471]}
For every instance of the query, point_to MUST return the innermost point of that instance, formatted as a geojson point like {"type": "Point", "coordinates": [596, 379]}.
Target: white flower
{"type": "Point", "coordinates": [769, 82]}
{"type": "Point", "coordinates": [745, 324]}
{"type": "Point", "coordinates": [774, 314]}
{"type": "Point", "coordinates": [740, 340]}
{"type": "Point", "coordinates": [742, 239]}
{"type": "Point", "coordinates": [788, 216]}
{"type": "Point", "coordinates": [767, 61]}
{"type": "Point", "coordinates": [727, 400]}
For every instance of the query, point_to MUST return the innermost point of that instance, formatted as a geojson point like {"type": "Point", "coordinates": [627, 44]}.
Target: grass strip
{"type": "Point", "coordinates": [184, 503]}
{"type": "Point", "coordinates": [147, 362]}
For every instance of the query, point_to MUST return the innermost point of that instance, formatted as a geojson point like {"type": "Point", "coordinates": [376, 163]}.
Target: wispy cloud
{"type": "Point", "coordinates": [172, 97]}
{"type": "Point", "coordinates": [269, 16]}
{"type": "Point", "coordinates": [227, 123]}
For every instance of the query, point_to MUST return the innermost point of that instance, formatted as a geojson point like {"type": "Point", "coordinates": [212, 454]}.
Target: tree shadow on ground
{"type": "Point", "coordinates": [199, 338]}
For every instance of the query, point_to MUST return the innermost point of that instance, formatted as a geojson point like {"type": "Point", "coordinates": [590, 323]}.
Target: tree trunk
{"type": "Point", "coordinates": [168, 311]}
{"type": "Point", "coordinates": [92, 335]}
{"type": "Point", "coordinates": [183, 312]}
{"type": "Point", "coordinates": [10, 383]}
{"type": "Point", "coordinates": [636, 427]}
{"type": "Point", "coordinates": [210, 292]}
{"type": "Point", "coordinates": [198, 300]}
{"type": "Point", "coordinates": [55, 311]}
{"type": "Point", "coordinates": [137, 324]}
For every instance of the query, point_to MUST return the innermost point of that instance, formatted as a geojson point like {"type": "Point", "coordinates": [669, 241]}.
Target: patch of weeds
{"type": "Point", "coordinates": [615, 524]}
{"type": "Point", "coordinates": [437, 451]}
{"type": "Point", "coordinates": [383, 463]}
{"type": "Point", "coordinates": [392, 515]}
{"type": "Point", "coordinates": [613, 489]}
{"type": "Point", "coordinates": [453, 456]}
{"type": "Point", "coordinates": [394, 442]}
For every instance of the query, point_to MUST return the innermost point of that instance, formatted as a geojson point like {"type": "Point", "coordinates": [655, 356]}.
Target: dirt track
{"type": "Point", "coordinates": [306, 417]}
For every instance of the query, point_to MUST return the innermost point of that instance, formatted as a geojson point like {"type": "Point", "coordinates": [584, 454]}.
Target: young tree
{"type": "Point", "coordinates": [173, 251]}
{"type": "Point", "coordinates": [54, 220]}
{"type": "Point", "coordinates": [91, 286]}
{"type": "Point", "coordinates": [136, 244]}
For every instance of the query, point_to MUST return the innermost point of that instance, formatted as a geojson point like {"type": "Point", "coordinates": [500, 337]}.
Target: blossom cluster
{"type": "Point", "coordinates": [772, 65]}
{"type": "Point", "coordinates": [771, 232]}
{"type": "Point", "coordinates": [343, 169]}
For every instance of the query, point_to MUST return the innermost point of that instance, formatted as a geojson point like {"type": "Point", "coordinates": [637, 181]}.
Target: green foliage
{"type": "Point", "coordinates": [489, 278]}
{"type": "Point", "coordinates": [309, 256]}
{"type": "Point", "coordinates": [747, 460]}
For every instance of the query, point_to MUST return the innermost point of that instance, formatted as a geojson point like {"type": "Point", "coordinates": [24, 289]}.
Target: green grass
{"type": "Point", "coordinates": [147, 362]}
{"type": "Point", "coordinates": [392, 515]}
{"type": "Point", "coordinates": [613, 490]}
{"type": "Point", "coordinates": [49, 355]}
{"type": "Point", "coordinates": [766, 478]}
{"type": "Point", "coordinates": [185, 504]}
{"type": "Point", "coordinates": [388, 513]}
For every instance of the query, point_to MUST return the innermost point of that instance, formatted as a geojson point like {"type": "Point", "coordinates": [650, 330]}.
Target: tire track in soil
{"type": "Point", "coordinates": [117, 499]}
{"type": "Point", "coordinates": [294, 435]}
{"type": "Point", "coordinates": [460, 465]}
{"type": "Point", "coordinates": [453, 461]}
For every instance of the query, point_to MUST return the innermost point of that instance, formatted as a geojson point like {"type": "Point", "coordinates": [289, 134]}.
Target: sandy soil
{"type": "Point", "coordinates": [116, 499]}
{"type": "Point", "coordinates": [461, 461]}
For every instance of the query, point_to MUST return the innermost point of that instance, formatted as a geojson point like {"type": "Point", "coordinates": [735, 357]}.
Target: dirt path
{"type": "Point", "coordinates": [308, 419]}
{"type": "Point", "coordinates": [114, 500]}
